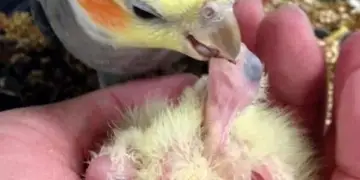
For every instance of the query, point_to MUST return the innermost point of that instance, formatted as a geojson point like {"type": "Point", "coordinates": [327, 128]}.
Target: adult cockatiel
{"type": "Point", "coordinates": [124, 38]}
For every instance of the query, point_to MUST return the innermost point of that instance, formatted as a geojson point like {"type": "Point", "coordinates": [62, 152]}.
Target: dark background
{"type": "Point", "coordinates": [38, 77]}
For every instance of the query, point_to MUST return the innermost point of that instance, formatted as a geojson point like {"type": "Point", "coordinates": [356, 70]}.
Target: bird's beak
{"type": "Point", "coordinates": [219, 37]}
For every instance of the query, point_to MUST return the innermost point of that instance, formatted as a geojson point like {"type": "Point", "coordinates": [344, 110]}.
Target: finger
{"type": "Point", "coordinates": [294, 63]}
{"type": "Point", "coordinates": [346, 112]}
{"type": "Point", "coordinates": [88, 118]}
{"type": "Point", "coordinates": [249, 14]}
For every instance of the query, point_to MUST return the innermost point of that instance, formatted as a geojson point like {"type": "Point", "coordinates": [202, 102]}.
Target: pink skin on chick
{"type": "Point", "coordinates": [230, 89]}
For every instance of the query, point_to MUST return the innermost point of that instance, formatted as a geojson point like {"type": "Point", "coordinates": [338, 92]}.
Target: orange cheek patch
{"type": "Point", "coordinates": [106, 13]}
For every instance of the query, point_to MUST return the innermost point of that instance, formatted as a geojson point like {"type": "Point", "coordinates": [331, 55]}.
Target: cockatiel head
{"type": "Point", "coordinates": [197, 28]}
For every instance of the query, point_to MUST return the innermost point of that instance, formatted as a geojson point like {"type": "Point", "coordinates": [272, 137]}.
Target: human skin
{"type": "Point", "coordinates": [53, 141]}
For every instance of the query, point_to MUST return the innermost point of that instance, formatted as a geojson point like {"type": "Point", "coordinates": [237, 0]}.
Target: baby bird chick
{"type": "Point", "coordinates": [168, 141]}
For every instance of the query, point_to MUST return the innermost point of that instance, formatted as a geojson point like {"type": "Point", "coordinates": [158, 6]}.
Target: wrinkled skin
{"type": "Point", "coordinates": [52, 142]}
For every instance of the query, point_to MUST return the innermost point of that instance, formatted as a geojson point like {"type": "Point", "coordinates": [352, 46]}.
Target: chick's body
{"type": "Point", "coordinates": [158, 141]}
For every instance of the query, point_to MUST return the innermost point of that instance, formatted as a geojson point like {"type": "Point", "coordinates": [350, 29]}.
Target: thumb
{"type": "Point", "coordinates": [87, 118]}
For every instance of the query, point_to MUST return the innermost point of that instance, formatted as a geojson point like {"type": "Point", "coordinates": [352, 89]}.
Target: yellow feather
{"type": "Point", "coordinates": [140, 34]}
{"type": "Point", "coordinates": [178, 8]}
{"type": "Point", "coordinates": [259, 136]}
{"type": "Point", "coordinates": [180, 16]}
{"type": "Point", "coordinates": [181, 8]}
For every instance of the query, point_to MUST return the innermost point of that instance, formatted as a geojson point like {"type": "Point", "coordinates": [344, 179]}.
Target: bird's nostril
{"type": "Point", "coordinates": [253, 68]}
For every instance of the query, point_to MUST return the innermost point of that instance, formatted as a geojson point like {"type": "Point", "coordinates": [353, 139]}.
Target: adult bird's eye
{"type": "Point", "coordinates": [144, 14]}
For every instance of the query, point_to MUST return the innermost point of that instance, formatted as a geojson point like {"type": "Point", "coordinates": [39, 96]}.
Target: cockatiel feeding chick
{"type": "Point", "coordinates": [211, 133]}
{"type": "Point", "coordinates": [124, 38]}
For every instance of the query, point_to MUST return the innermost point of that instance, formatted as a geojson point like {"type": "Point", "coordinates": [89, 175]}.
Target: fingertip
{"type": "Point", "coordinates": [249, 14]}
{"type": "Point", "coordinates": [348, 61]}
{"type": "Point", "coordinates": [278, 27]}
{"type": "Point", "coordinates": [295, 66]}
{"type": "Point", "coordinates": [292, 56]}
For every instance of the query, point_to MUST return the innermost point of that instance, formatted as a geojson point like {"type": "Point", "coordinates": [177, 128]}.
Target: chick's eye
{"type": "Point", "coordinates": [144, 13]}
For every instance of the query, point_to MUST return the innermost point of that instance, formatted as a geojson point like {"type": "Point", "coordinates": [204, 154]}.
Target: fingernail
{"type": "Point", "coordinates": [253, 68]}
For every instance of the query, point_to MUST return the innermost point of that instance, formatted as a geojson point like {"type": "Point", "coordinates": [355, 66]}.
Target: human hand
{"type": "Point", "coordinates": [52, 142]}
{"type": "Point", "coordinates": [296, 69]}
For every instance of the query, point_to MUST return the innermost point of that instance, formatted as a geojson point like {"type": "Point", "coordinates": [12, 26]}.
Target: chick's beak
{"type": "Point", "coordinates": [219, 37]}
